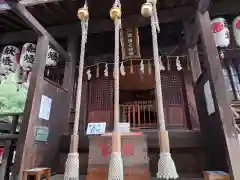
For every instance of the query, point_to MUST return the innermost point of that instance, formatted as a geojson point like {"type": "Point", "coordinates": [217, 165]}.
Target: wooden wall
{"type": "Point", "coordinates": [47, 151]}
{"type": "Point", "coordinates": [211, 130]}
{"type": "Point", "coordinates": [35, 153]}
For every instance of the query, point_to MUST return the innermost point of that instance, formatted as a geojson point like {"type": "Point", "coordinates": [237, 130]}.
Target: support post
{"type": "Point", "coordinates": [224, 118]}
{"type": "Point", "coordinates": [69, 71]}
{"type": "Point", "coordinates": [25, 148]}
{"type": "Point", "coordinates": [191, 78]}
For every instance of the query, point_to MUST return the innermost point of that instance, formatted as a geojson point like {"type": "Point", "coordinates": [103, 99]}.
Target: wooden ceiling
{"type": "Point", "coordinates": [53, 13]}
{"type": "Point", "coordinates": [60, 12]}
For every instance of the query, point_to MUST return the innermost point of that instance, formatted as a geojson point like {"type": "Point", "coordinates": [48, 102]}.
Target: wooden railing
{"type": "Point", "coordinates": [9, 130]}
{"type": "Point", "coordinates": [140, 114]}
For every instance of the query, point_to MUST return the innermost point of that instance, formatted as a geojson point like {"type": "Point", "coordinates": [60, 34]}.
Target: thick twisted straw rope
{"type": "Point", "coordinates": [160, 111]}
{"type": "Point", "coordinates": [116, 68]}
{"type": "Point", "coordinates": [84, 25]}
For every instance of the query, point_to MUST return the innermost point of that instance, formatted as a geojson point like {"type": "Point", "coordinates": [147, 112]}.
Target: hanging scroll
{"type": "Point", "coordinates": [130, 43]}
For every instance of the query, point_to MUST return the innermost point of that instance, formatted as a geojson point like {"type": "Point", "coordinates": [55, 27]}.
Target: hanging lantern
{"type": "Point", "coordinates": [52, 57]}
{"type": "Point", "coordinates": [28, 56]}
{"type": "Point", "coordinates": [9, 59]}
{"type": "Point", "coordinates": [221, 32]}
{"type": "Point", "coordinates": [236, 29]}
{"type": "Point", "coordinates": [221, 35]}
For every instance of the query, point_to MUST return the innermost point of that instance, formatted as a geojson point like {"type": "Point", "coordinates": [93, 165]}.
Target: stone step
{"type": "Point", "coordinates": [60, 177]}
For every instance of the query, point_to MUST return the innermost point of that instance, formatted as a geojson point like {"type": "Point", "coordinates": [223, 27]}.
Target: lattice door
{"type": "Point", "coordinates": [101, 100]}
{"type": "Point", "coordinates": [173, 99]}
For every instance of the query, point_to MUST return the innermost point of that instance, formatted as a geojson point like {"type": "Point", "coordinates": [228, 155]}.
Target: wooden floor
{"type": "Point", "coordinates": [60, 177]}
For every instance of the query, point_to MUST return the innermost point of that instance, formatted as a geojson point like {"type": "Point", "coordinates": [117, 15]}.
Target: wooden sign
{"type": "Point", "coordinates": [96, 128]}
{"type": "Point", "coordinates": [42, 133]}
{"type": "Point", "coordinates": [130, 43]}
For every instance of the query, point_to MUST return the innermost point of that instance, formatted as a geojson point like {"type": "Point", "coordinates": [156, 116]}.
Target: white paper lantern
{"type": "Point", "coordinates": [9, 59]}
{"type": "Point", "coordinates": [52, 57]}
{"type": "Point", "coordinates": [221, 32]}
{"type": "Point", "coordinates": [236, 29]}
{"type": "Point", "coordinates": [28, 56]}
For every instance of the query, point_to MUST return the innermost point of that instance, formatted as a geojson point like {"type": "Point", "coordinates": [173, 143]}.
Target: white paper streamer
{"type": "Point", "coordinates": [162, 67]}
{"type": "Point", "coordinates": [142, 66]}
{"type": "Point", "coordinates": [122, 69]}
{"type": "Point", "coordinates": [178, 64]}
{"type": "Point", "coordinates": [106, 70]}
{"type": "Point", "coordinates": [89, 75]}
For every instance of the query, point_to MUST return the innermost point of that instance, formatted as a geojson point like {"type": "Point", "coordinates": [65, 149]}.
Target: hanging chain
{"type": "Point", "coordinates": [159, 95]}
{"type": "Point", "coordinates": [84, 25]}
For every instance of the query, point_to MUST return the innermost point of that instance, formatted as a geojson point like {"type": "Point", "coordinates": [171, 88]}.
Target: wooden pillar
{"type": "Point", "coordinates": [69, 72]}
{"type": "Point", "coordinates": [25, 151]}
{"type": "Point", "coordinates": [191, 78]}
{"type": "Point", "coordinates": [224, 121]}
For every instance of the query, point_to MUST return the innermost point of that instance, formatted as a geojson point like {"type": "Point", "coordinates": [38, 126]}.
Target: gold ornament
{"type": "Point", "coordinates": [115, 13]}
{"type": "Point", "coordinates": [147, 10]}
{"type": "Point", "coordinates": [83, 14]}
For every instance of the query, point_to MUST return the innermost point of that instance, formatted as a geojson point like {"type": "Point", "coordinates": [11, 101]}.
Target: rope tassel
{"type": "Point", "coordinates": [72, 163]}
{"type": "Point", "coordinates": [166, 166]}
{"type": "Point", "coordinates": [116, 162]}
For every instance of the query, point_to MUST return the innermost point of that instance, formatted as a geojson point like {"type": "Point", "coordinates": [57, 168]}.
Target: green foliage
{"type": "Point", "coordinates": [11, 99]}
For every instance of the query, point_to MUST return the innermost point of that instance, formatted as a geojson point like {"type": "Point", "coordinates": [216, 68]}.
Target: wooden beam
{"type": "Point", "coordinates": [226, 124]}
{"type": "Point", "coordinates": [22, 12]}
{"type": "Point", "coordinates": [194, 34]}
{"type": "Point", "coordinates": [100, 25]}
{"type": "Point", "coordinates": [203, 5]}
{"type": "Point", "coordinates": [9, 137]}
{"type": "Point", "coordinates": [192, 52]}
{"type": "Point", "coordinates": [27, 3]}
{"type": "Point", "coordinates": [24, 144]}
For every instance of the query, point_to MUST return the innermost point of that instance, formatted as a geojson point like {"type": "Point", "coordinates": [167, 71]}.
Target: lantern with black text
{"type": "Point", "coordinates": [236, 29]}
{"type": "Point", "coordinates": [28, 56]}
{"type": "Point", "coordinates": [9, 59]}
{"type": "Point", "coordinates": [221, 34]}
{"type": "Point", "coordinates": [52, 57]}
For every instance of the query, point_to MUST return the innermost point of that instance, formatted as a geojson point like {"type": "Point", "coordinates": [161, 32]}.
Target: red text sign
{"type": "Point", "coordinates": [217, 27]}
{"type": "Point", "coordinates": [128, 150]}
{"type": "Point", "coordinates": [238, 24]}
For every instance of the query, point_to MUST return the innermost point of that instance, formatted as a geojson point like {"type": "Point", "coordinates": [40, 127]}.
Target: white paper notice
{"type": "Point", "coordinates": [96, 128]}
{"type": "Point", "coordinates": [209, 98]}
{"type": "Point", "coordinates": [124, 127]}
{"type": "Point", "coordinates": [45, 107]}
